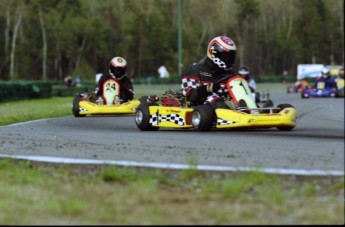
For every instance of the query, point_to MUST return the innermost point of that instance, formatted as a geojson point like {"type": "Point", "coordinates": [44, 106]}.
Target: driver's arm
{"type": "Point", "coordinates": [127, 88]}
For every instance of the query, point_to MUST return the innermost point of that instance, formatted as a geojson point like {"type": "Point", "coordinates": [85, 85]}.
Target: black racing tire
{"type": "Point", "coordinates": [242, 103]}
{"type": "Point", "coordinates": [282, 107]}
{"type": "Point", "coordinates": [142, 116]}
{"type": "Point", "coordinates": [340, 93]}
{"type": "Point", "coordinates": [202, 118]}
{"type": "Point", "coordinates": [303, 96]}
{"type": "Point", "coordinates": [75, 107]}
{"type": "Point", "coordinates": [268, 103]}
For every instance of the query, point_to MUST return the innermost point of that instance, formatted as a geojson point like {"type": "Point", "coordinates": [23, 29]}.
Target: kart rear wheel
{"type": "Point", "coordinates": [75, 107]}
{"type": "Point", "coordinates": [304, 95]}
{"type": "Point", "coordinates": [202, 118]}
{"type": "Point", "coordinates": [142, 116]}
{"type": "Point", "coordinates": [268, 103]}
{"type": "Point", "coordinates": [285, 105]}
{"type": "Point", "coordinates": [243, 104]}
{"type": "Point", "coordinates": [282, 107]}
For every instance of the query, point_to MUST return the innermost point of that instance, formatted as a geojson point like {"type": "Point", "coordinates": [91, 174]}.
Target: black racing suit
{"type": "Point", "coordinates": [195, 79]}
{"type": "Point", "coordinates": [126, 90]}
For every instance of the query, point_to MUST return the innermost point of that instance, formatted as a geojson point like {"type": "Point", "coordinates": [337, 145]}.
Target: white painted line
{"type": "Point", "coordinates": [176, 166]}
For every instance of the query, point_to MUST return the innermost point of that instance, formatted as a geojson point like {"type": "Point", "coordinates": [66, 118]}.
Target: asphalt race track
{"type": "Point", "coordinates": [315, 144]}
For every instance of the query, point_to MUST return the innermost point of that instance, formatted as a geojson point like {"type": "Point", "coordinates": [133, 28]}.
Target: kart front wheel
{"type": "Point", "coordinates": [75, 107]}
{"type": "Point", "coordinates": [142, 119]}
{"type": "Point", "coordinates": [282, 107]}
{"type": "Point", "coordinates": [285, 105]}
{"type": "Point", "coordinates": [202, 118]}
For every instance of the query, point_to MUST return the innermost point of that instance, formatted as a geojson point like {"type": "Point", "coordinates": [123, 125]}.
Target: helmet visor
{"type": "Point", "coordinates": [118, 71]}
{"type": "Point", "coordinates": [228, 57]}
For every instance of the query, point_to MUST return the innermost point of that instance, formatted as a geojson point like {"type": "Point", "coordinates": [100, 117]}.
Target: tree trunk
{"type": "Point", "coordinates": [81, 49]}
{"type": "Point", "coordinates": [14, 39]}
{"type": "Point", "coordinates": [44, 38]}
{"type": "Point", "coordinates": [7, 28]}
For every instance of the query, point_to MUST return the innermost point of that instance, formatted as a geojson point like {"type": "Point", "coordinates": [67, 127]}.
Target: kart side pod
{"type": "Point", "coordinates": [150, 116]}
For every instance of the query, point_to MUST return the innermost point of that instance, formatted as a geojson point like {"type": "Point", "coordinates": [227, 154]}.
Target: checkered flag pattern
{"type": "Point", "coordinates": [221, 121]}
{"type": "Point", "coordinates": [188, 82]}
{"type": "Point", "coordinates": [211, 98]}
{"type": "Point", "coordinates": [220, 63]}
{"type": "Point", "coordinates": [175, 118]}
{"type": "Point", "coordinates": [223, 90]}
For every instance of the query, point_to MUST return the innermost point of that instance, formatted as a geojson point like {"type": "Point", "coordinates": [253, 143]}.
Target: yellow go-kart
{"type": "Point", "coordinates": [88, 103]}
{"type": "Point", "coordinates": [173, 111]}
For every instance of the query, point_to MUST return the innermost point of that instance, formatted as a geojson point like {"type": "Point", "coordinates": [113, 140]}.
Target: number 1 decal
{"type": "Point", "coordinates": [245, 90]}
{"type": "Point", "coordinates": [239, 89]}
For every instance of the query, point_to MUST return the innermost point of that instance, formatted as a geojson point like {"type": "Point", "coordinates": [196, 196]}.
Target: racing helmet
{"type": "Point", "coordinates": [222, 52]}
{"type": "Point", "coordinates": [117, 67]}
{"type": "Point", "coordinates": [244, 71]}
{"type": "Point", "coordinates": [324, 72]}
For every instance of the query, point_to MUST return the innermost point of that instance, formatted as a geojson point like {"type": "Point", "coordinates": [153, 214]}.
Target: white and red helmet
{"type": "Point", "coordinates": [222, 52]}
{"type": "Point", "coordinates": [325, 72]}
{"type": "Point", "coordinates": [118, 67]}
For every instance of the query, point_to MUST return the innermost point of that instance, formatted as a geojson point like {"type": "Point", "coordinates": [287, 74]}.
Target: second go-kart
{"type": "Point", "coordinates": [319, 91]}
{"type": "Point", "coordinates": [298, 86]}
{"type": "Point", "coordinates": [173, 111]}
{"type": "Point", "coordinates": [88, 103]}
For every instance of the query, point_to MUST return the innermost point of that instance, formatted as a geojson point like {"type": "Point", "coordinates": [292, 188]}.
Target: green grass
{"type": "Point", "coordinates": [27, 110]}
{"type": "Point", "coordinates": [33, 193]}
{"type": "Point", "coordinates": [57, 194]}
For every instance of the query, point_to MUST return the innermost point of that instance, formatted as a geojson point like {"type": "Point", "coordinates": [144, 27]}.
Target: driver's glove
{"type": "Point", "coordinates": [100, 101]}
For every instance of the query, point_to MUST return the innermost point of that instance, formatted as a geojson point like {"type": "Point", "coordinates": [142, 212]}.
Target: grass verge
{"type": "Point", "coordinates": [35, 193]}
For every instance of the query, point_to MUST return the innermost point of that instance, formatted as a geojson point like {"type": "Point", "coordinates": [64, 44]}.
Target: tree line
{"type": "Point", "coordinates": [48, 40]}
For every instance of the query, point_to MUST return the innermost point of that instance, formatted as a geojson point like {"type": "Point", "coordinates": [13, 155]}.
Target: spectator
{"type": "Point", "coordinates": [68, 81]}
{"type": "Point", "coordinates": [163, 72]}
